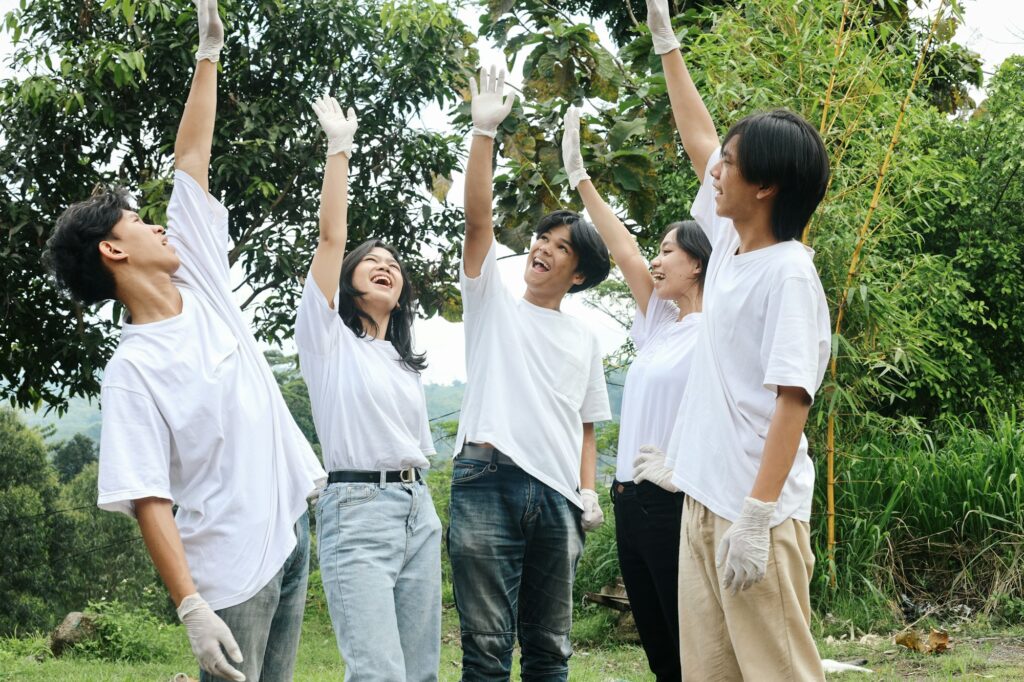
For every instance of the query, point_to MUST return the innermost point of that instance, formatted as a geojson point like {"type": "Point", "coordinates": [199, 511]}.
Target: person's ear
{"type": "Point", "coordinates": [111, 251]}
{"type": "Point", "coordinates": [767, 191]}
{"type": "Point", "coordinates": [578, 278]}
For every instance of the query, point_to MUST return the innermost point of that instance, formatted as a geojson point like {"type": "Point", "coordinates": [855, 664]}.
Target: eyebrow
{"type": "Point", "coordinates": [564, 242]}
{"type": "Point", "coordinates": [387, 259]}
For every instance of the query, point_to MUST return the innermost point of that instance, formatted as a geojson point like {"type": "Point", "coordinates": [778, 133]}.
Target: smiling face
{"type": "Point", "coordinates": [735, 197]}
{"type": "Point", "coordinates": [139, 245]}
{"type": "Point", "coordinates": [674, 270]}
{"type": "Point", "coordinates": [379, 276]}
{"type": "Point", "coordinates": [551, 264]}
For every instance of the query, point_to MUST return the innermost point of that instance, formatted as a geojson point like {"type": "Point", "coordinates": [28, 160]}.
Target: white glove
{"type": "Point", "coordinates": [207, 633]}
{"type": "Point", "coordinates": [340, 129]}
{"type": "Point", "coordinates": [660, 23]}
{"type": "Point", "coordinates": [743, 551]}
{"type": "Point", "coordinates": [487, 106]}
{"type": "Point", "coordinates": [592, 514]}
{"type": "Point", "coordinates": [572, 156]}
{"type": "Point", "coordinates": [650, 466]}
{"type": "Point", "coordinates": [211, 30]}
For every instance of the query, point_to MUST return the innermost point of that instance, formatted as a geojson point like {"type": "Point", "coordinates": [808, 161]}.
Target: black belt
{"type": "Point", "coordinates": [410, 475]}
{"type": "Point", "coordinates": [482, 453]}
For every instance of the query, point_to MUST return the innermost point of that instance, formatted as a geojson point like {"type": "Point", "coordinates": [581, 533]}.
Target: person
{"type": "Point", "coordinates": [738, 450]}
{"type": "Point", "coordinates": [379, 538]}
{"type": "Point", "coordinates": [668, 296]}
{"type": "Point", "coordinates": [192, 414]}
{"type": "Point", "coordinates": [525, 442]}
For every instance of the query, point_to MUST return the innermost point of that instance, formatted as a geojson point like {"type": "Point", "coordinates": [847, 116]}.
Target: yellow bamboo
{"type": "Point", "coordinates": [851, 272]}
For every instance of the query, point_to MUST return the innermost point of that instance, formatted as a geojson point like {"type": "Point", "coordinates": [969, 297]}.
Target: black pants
{"type": "Point", "coordinates": [647, 520]}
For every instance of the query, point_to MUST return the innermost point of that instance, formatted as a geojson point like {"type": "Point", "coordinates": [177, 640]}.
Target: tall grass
{"type": "Point", "coordinates": [933, 514]}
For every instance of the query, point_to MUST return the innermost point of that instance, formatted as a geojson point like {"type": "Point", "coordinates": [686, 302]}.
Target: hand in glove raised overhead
{"type": "Point", "coordinates": [340, 129]}
{"type": "Point", "coordinates": [572, 155]}
{"type": "Point", "coordinates": [592, 514]}
{"type": "Point", "coordinates": [211, 30]}
{"type": "Point", "coordinates": [650, 466]}
{"type": "Point", "coordinates": [488, 107]}
{"type": "Point", "coordinates": [660, 22]}
{"type": "Point", "coordinates": [207, 633]}
{"type": "Point", "coordinates": [743, 551]}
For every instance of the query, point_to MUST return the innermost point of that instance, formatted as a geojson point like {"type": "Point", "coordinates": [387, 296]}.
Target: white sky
{"type": "Point", "coordinates": [993, 28]}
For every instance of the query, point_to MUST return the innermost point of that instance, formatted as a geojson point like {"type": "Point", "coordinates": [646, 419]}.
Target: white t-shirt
{"type": "Point", "coordinates": [765, 325]}
{"type": "Point", "coordinates": [535, 376]}
{"type": "Point", "coordinates": [369, 409]}
{"type": "Point", "coordinates": [192, 413]}
{"type": "Point", "coordinates": [655, 380]}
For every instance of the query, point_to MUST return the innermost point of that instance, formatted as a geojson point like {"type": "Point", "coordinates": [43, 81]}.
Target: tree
{"type": "Point", "coordinates": [69, 457]}
{"type": "Point", "coordinates": [97, 96]}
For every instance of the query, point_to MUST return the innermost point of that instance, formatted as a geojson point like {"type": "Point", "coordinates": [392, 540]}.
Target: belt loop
{"type": "Point", "coordinates": [494, 460]}
{"type": "Point", "coordinates": [383, 478]}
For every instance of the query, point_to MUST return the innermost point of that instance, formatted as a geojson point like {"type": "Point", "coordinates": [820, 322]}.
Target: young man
{"type": "Point", "coordinates": [738, 450]}
{"type": "Point", "coordinates": [192, 415]}
{"type": "Point", "coordinates": [526, 435]}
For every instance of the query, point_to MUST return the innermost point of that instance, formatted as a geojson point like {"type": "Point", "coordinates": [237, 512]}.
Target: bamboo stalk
{"type": "Point", "coordinates": [851, 272]}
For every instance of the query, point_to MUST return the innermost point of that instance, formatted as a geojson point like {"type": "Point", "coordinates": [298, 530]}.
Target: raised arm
{"type": "Point", "coordinates": [330, 250]}
{"type": "Point", "coordinates": [616, 237]}
{"type": "Point", "coordinates": [697, 130]}
{"type": "Point", "coordinates": [195, 131]}
{"type": "Point", "coordinates": [489, 109]}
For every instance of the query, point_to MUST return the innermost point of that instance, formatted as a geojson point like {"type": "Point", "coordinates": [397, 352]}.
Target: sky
{"type": "Point", "coordinates": [993, 28]}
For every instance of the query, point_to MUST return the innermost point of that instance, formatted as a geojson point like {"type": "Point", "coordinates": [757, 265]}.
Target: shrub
{"type": "Point", "coordinates": [131, 635]}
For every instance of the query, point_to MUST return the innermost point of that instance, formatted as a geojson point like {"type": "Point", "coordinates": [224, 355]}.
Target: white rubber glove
{"type": "Point", "coordinates": [660, 23]}
{"type": "Point", "coordinates": [592, 514]}
{"type": "Point", "coordinates": [211, 30]}
{"type": "Point", "coordinates": [340, 129]}
{"type": "Point", "coordinates": [572, 155]}
{"type": "Point", "coordinates": [207, 633]}
{"type": "Point", "coordinates": [743, 551]}
{"type": "Point", "coordinates": [488, 108]}
{"type": "Point", "coordinates": [650, 466]}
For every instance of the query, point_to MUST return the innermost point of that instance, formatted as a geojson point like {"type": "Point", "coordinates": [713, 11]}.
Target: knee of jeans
{"type": "Point", "coordinates": [488, 649]}
{"type": "Point", "coordinates": [537, 640]}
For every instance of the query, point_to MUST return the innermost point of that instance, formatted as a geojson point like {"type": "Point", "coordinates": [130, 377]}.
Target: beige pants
{"type": "Point", "coordinates": [762, 633]}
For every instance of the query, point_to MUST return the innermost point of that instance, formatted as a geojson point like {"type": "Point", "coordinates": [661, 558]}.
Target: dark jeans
{"type": "Point", "coordinates": [514, 544]}
{"type": "Point", "coordinates": [647, 521]}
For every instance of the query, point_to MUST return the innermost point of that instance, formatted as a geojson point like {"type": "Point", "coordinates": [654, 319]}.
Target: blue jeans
{"type": "Point", "coordinates": [380, 559]}
{"type": "Point", "coordinates": [514, 544]}
{"type": "Point", "coordinates": [267, 625]}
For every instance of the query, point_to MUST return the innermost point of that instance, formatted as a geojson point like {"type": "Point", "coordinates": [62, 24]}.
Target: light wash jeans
{"type": "Point", "coordinates": [380, 559]}
{"type": "Point", "coordinates": [514, 544]}
{"type": "Point", "coordinates": [267, 625]}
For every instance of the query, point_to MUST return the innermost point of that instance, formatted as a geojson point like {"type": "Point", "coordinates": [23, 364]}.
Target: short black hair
{"type": "Point", "coordinates": [691, 239]}
{"type": "Point", "coordinates": [594, 263]}
{"type": "Point", "coordinates": [399, 331]}
{"type": "Point", "coordinates": [72, 251]}
{"type": "Point", "coordinates": [781, 149]}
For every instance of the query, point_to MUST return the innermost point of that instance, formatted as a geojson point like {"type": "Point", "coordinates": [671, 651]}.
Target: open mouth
{"type": "Point", "coordinates": [539, 266]}
{"type": "Point", "coordinates": [658, 276]}
{"type": "Point", "coordinates": [381, 280]}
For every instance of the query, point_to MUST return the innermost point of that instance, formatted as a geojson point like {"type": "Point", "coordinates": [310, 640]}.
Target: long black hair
{"type": "Point", "coordinates": [691, 239]}
{"type": "Point", "coordinates": [399, 331]}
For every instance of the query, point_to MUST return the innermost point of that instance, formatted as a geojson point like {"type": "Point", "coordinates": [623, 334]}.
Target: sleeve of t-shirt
{"type": "Point", "coordinates": [596, 407]}
{"type": "Point", "coordinates": [478, 291]}
{"type": "Point", "coordinates": [660, 314]}
{"type": "Point", "coordinates": [135, 451]}
{"type": "Point", "coordinates": [315, 320]}
{"type": "Point", "coordinates": [197, 227]}
{"type": "Point", "coordinates": [790, 347]}
{"type": "Point", "coordinates": [426, 438]}
{"type": "Point", "coordinates": [703, 208]}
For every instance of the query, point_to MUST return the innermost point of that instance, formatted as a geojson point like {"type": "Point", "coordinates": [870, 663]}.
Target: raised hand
{"type": "Point", "coordinates": [211, 30]}
{"type": "Point", "coordinates": [340, 129]}
{"type": "Point", "coordinates": [572, 155]}
{"type": "Point", "coordinates": [660, 22]}
{"type": "Point", "coordinates": [488, 107]}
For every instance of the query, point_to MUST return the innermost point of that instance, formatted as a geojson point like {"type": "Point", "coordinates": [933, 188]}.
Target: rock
{"type": "Point", "coordinates": [77, 627]}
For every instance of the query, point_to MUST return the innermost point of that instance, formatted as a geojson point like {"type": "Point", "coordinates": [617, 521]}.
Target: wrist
{"type": "Point", "coordinates": [189, 604]}
{"type": "Point", "coordinates": [484, 132]}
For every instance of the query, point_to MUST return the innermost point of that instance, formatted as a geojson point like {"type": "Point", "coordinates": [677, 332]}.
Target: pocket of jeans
{"type": "Point", "coordinates": [353, 494]}
{"type": "Point", "coordinates": [465, 472]}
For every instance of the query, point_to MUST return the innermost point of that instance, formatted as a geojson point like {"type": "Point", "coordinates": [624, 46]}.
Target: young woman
{"type": "Point", "coordinates": [648, 508]}
{"type": "Point", "coordinates": [379, 536]}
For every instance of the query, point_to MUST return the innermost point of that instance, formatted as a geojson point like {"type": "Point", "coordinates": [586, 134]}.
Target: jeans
{"type": "Point", "coordinates": [514, 544]}
{"type": "Point", "coordinates": [647, 523]}
{"type": "Point", "coordinates": [267, 625]}
{"type": "Point", "coordinates": [380, 559]}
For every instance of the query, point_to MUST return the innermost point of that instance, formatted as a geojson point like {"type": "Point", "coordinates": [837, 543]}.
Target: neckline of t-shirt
{"type": "Point", "coordinates": [689, 318]}
{"type": "Point", "coordinates": [764, 251]}
{"type": "Point", "coordinates": [542, 309]}
{"type": "Point", "coordinates": [383, 345]}
{"type": "Point", "coordinates": [130, 328]}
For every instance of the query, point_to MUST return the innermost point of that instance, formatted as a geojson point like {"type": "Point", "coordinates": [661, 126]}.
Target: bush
{"type": "Point", "coordinates": [130, 635]}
